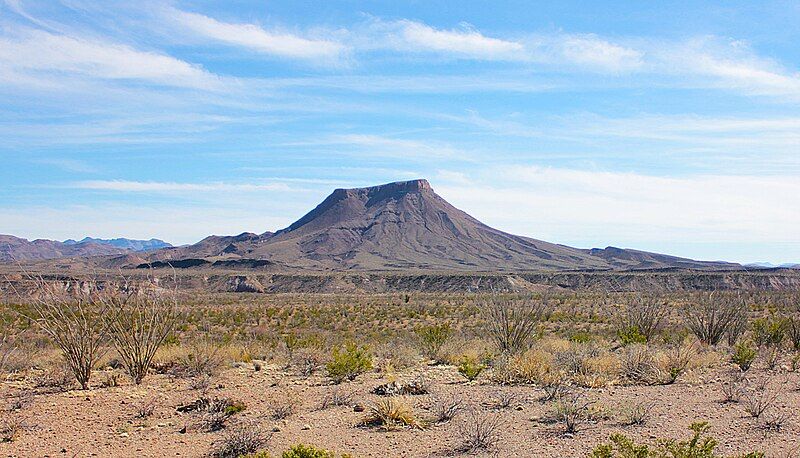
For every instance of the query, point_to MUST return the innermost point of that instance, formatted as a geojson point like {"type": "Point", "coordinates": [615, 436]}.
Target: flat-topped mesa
{"type": "Point", "coordinates": [394, 189]}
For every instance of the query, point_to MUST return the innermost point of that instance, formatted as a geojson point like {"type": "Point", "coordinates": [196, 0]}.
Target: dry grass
{"type": "Point", "coordinates": [391, 413]}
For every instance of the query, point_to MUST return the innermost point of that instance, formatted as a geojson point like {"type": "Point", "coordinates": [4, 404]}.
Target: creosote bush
{"type": "Point", "coordinates": [470, 367]}
{"type": "Point", "coordinates": [698, 446]}
{"type": "Point", "coordinates": [240, 441]}
{"type": "Point", "coordinates": [308, 451]}
{"type": "Point", "coordinates": [349, 362]}
{"type": "Point", "coordinates": [433, 338]}
{"type": "Point", "coordinates": [743, 355]}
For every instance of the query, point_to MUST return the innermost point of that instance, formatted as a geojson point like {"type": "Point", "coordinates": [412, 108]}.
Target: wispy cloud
{"type": "Point", "coordinates": [466, 41]}
{"type": "Point", "coordinates": [259, 39]}
{"type": "Point", "coordinates": [170, 187]}
{"type": "Point", "coordinates": [29, 53]}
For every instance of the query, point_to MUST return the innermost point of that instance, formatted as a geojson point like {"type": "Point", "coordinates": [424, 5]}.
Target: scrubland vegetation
{"type": "Point", "coordinates": [583, 372]}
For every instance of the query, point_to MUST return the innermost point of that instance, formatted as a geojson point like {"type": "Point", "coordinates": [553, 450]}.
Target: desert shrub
{"type": "Point", "coordinates": [307, 360]}
{"type": "Point", "coordinates": [349, 362]}
{"type": "Point", "coordinates": [631, 335]}
{"type": "Point", "coordinates": [635, 413]}
{"type": "Point", "coordinates": [58, 378]}
{"type": "Point", "coordinates": [239, 441]}
{"type": "Point", "coordinates": [203, 359]}
{"type": "Point", "coordinates": [308, 451]}
{"type": "Point", "coordinates": [10, 428]}
{"type": "Point", "coordinates": [758, 398]}
{"type": "Point", "coordinates": [479, 431]}
{"type": "Point", "coordinates": [793, 332]}
{"type": "Point", "coordinates": [337, 397]}
{"type": "Point", "coordinates": [638, 365]}
{"type": "Point", "coordinates": [7, 352]}
{"type": "Point", "coordinates": [733, 388]}
{"type": "Point", "coordinates": [571, 409]}
{"type": "Point", "coordinates": [142, 322]}
{"type": "Point", "coordinates": [445, 408]}
{"type": "Point", "coordinates": [769, 332]}
{"type": "Point", "coordinates": [214, 413]}
{"type": "Point", "coordinates": [73, 317]}
{"type": "Point", "coordinates": [530, 367]}
{"type": "Point", "coordinates": [641, 318]}
{"type": "Point", "coordinates": [146, 408]}
{"type": "Point", "coordinates": [674, 362]}
{"type": "Point", "coordinates": [743, 355]}
{"type": "Point", "coordinates": [513, 324]}
{"type": "Point", "coordinates": [391, 413]}
{"type": "Point", "coordinates": [470, 367]}
{"type": "Point", "coordinates": [432, 338]}
{"type": "Point", "coordinates": [711, 315]}
{"type": "Point", "coordinates": [395, 355]}
{"type": "Point", "coordinates": [284, 406]}
{"type": "Point", "coordinates": [698, 446]}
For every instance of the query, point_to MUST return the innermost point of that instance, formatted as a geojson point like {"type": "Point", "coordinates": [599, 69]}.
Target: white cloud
{"type": "Point", "coordinates": [170, 187]}
{"type": "Point", "coordinates": [565, 205]}
{"type": "Point", "coordinates": [466, 42]}
{"type": "Point", "coordinates": [30, 52]}
{"type": "Point", "coordinates": [593, 52]}
{"type": "Point", "coordinates": [256, 38]}
{"type": "Point", "coordinates": [731, 65]}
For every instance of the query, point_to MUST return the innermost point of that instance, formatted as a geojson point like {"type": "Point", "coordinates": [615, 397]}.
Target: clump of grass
{"type": "Point", "coordinates": [390, 413]}
{"type": "Point", "coordinates": [733, 388]}
{"type": "Point", "coordinates": [571, 409]}
{"type": "Point", "coordinates": [349, 362]}
{"type": "Point", "coordinates": [638, 365]}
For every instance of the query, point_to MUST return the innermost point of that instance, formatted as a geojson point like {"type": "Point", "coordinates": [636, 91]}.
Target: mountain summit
{"type": "Point", "coordinates": [406, 225]}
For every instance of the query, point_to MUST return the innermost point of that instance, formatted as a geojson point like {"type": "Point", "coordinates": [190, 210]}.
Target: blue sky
{"type": "Point", "coordinates": [672, 128]}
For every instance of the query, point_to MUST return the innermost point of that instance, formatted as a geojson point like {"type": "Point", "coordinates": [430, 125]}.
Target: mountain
{"type": "Point", "coordinates": [769, 265]}
{"type": "Point", "coordinates": [15, 249]}
{"type": "Point", "coordinates": [125, 244]}
{"type": "Point", "coordinates": [406, 226]}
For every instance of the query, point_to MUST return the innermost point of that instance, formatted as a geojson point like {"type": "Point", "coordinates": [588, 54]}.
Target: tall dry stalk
{"type": "Point", "coordinates": [74, 316]}
{"type": "Point", "coordinates": [512, 323]}
{"type": "Point", "coordinates": [711, 315]}
{"type": "Point", "coordinates": [141, 324]}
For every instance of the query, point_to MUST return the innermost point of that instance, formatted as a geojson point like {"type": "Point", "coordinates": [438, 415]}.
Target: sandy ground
{"type": "Point", "coordinates": [102, 421]}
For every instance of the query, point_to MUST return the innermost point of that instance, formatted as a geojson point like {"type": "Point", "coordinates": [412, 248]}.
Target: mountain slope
{"type": "Point", "coordinates": [406, 225]}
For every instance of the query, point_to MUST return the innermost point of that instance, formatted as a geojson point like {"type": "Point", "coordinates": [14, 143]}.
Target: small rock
{"type": "Point", "coordinates": [518, 408]}
{"type": "Point", "coordinates": [276, 430]}
{"type": "Point", "coordinates": [306, 427]}
{"type": "Point", "coordinates": [123, 435]}
{"type": "Point", "coordinates": [358, 408]}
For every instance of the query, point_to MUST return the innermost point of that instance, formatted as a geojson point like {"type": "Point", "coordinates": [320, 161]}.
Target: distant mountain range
{"type": "Point", "coordinates": [769, 265]}
{"type": "Point", "coordinates": [402, 226]}
{"type": "Point", "coordinates": [125, 244]}
{"type": "Point", "coordinates": [15, 249]}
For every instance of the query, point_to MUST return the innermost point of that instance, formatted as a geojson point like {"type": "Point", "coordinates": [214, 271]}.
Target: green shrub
{"type": "Point", "coordinates": [769, 332]}
{"type": "Point", "coordinates": [470, 367]}
{"type": "Point", "coordinates": [308, 451]}
{"type": "Point", "coordinates": [432, 339]}
{"type": "Point", "coordinates": [631, 335]}
{"type": "Point", "coordinates": [581, 337]}
{"type": "Point", "coordinates": [743, 355]}
{"type": "Point", "coordinates": [349, 363]}
{"type": "Point", "coordinates": [698, 446]}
